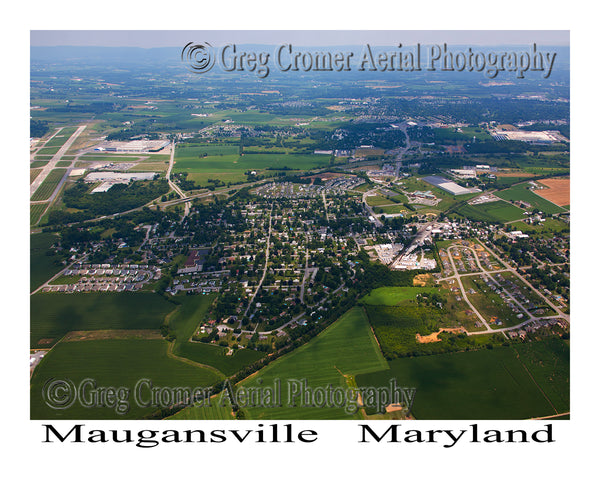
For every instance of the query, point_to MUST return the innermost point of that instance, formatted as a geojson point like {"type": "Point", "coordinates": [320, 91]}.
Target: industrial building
{"type": "Point", "coordinates": [109, 179]}
{"type": "Point", "coordinates": [448, 185]}
{"type": "Point", "coordinates": [133, 146]}
{"type": "Point", "coordinates": [545, 137]}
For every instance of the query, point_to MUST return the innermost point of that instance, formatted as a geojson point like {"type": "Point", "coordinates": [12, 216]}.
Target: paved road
{"type": "Point", "coordinates": [403, 151]}
{"type": "Point", "coordinates": [305, 278]}
{"type": "Point", "coordinates": [526, 282]}
{"type": "Point", "coordinates": [172, 184]}
{"type": "Point", "coordinates": [488, 329]}
{"type": "Point", "coordinates": [325, 205]}
{"type": "Point", "coordinates": [264, 270]}
{"type": "Point", "coordinates": [52, 163]}
{"type": "Point", "coordinates": [54, 277]}
{"type": "Point", "coordinates": [484, 272]}
{"type": "Point", "coordinates": [39, 145]}
{"type": "Point", "coordinates": [369, 209]}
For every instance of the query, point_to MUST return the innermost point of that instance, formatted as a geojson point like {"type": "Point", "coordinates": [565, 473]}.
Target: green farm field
{"type": "Point", "coordinates": [43, 265]}
{"type": "Point", "coordinates": [491, 212]}
{"type": "Point", "coordinates": [38, 164]}
{"type": "Point", "coordinates": [521, 192]}
{"type": "Point", "coordinates": [548, 361]}
{"type": "Point", "coordinates": [484, 384]}
{"type": "Point", "coordinates": [347, 347]}
{"type": "Point", "coordinates": [48, 186]}
{"type": "Point", "coordinates": [254, 161]}
{"type": "Point", "coordinates": [201, 150]}
{"type": "Point", "coordinates": [391, 296]}
{"type": "Point", "coordinates": [184, 322]}
{"type": "Point", "coordinates": [116, 363]}
{"type": "Point", "coordinates": [55, 314]}
{"type": "Point", "coordinates": [217, 409]}
{"type": "Point", "coordinates": [230, 167]}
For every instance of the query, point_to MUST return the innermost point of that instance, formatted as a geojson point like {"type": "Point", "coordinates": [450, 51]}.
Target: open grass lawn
{"type": "Point", "coordinates": [48, 151]}
{"type": "Point", "coordinates": [184, 323]}
{"type": "Point", "coordinates": [149, 167]}
{"type": "Point", "coordinates": [61, 137]}
{"type": "Point", "coordinates": [393, 295]}
{"type": "Point", "coordinates": [54, 314]}
{"type": "Point", "coordinates": [46, 189]}
{"type": "Point", "coordinates": [376, 200]}
{"type": "Point", "coordinates": [33, 173]}
{"type": "Point", "coordinates": [551, 225]}
{"type": "Point", "coordinates": [204, 179]}
{"type": "Point", "coordinates": [521, 192]}
{"type": "Point", "coordinates": [116, 363]}
{"type": "Point", "coordinates": [391, 209]}
{"type": "Point", "coordinates": [113, 158]}
{"type": "Point", "coordinates": [42, 264]}
{"type": "Point", "coordinates": [491, 212]}
{"type": "Point", "coordinates": [484, 384]}
{"type": "Point", "coordinates": [38, 164]}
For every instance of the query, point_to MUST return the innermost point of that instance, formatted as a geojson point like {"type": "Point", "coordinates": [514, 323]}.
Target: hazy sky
{"type": "Point", "coordinates": [177, 38]}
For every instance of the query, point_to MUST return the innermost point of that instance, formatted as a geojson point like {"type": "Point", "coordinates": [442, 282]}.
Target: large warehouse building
{"type": "Point", "coordinates": [449, 186]}
{"type": "Point", "coordinates": [134, 146]}
{"type": "Point", "coordinates": [109, 179]}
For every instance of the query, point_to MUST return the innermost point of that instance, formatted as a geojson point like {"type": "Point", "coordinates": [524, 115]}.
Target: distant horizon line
{"type": "Point", "coordinates": [312, 46]}
{"type": "Point", "coordinates": [174, 38]}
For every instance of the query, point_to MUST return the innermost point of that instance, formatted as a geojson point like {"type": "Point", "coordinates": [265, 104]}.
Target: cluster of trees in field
{"type": "Point", "coordinates": [134, 131]}
{"type": "Point", "coordinates": [556, 281]}
{"type": "Point", "coordinates": [123, 228]}
{"type": "Point", "coordinates": [477, 110]}
{"type": "Point", "coordinates": [38, 128]}
{"type": "Point", "coordinates": [354, 134]}
{"type": "Point", "coordinates": [521, 251]}
{"type": "Point", "coordinates": [396, 329]}
{"type": "Point", "coordinates": [119, 198]}
{"type": "Point", "coordinates": [93, 108]}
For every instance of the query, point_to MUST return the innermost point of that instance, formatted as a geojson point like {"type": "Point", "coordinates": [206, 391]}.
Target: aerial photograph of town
{"type": "Point", "coordinates": [245, 228]}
